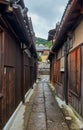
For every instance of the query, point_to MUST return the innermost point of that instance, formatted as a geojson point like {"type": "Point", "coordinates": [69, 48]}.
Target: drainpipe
{"type": "Point", "coordinates": [66, 72]}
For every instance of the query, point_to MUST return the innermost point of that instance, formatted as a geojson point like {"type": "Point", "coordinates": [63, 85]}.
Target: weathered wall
{"type": "Point", "coordinates": [75, 82]}
{"type": "Point", "coordinates": [16, 75]}
{"type": "Point", "coordinates": [76, 100]}
{"type": "Point", "coordinates": [78, 35]}
{"type": "Point", "coordinates": [11, 81]}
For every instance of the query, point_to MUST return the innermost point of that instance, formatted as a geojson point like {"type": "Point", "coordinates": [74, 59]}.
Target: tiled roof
{"type": "Point", "coordinates": [41, 47]}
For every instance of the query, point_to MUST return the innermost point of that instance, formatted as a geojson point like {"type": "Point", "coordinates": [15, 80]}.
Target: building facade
{"type": "Point", "coordinates": [43, 52]}
{"type": "Point", "coordinates": [18, 58]}
{"type": "Point", "coordinates": [66, 64]}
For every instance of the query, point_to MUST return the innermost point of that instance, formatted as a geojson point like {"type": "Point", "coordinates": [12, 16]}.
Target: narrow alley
{"type": "Point", "coordinates": [43, 112]}
{"type": "Point", "coordinates": [41, 65]}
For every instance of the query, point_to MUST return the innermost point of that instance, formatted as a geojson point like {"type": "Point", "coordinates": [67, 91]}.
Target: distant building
{"type": "Point", "coordinates": [42, 51]}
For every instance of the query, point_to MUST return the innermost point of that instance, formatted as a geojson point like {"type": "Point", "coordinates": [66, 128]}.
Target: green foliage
{"type": "Point", "coordinates": [39, 58]}
{"type": "Point", "coordinates": [44, 42]}
{"type": "Point", "coordinates": [49, 44]}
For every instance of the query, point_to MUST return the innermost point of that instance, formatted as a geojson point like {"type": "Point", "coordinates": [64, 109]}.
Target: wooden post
{"type": "Point", "coordinates": [66, 74]}
{"type": "Point", "coordinates": [22, 75]}
{"type": "Point", "coordinates": [2, 103]}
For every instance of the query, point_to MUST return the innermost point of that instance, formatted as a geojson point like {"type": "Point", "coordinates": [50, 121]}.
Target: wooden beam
{"type": "Point", "coordinates": [22, 75]}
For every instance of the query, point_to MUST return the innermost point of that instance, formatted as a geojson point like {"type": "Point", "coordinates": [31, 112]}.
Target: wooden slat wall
{"type": "Point", "coordinates": [18, 68]}
{"type": "Point", "coordinates": [35, 69]}
{"type": "Point", "coordinates": [56, 71]}
{"type": "Point", "coordinates": [31, 72]}
{"type": "Point", "coordinates": [11, 81]}
{"type": "Point", "coordinates": [58, 79]}
{"type": "Point", "coordinates": [11, 73]}
{"type": "Point", "coordinates": [26, 73]}
{"type": "Point", "coordinates": [81, 105]}
{"type": "Point", "coordinates": [9, 91]}
{"type": "Point", "coordinates": [75, 70]}
{"type": "Point", "coordinates": [75, 78]}
{"type": "Point", "coordinates": [52, 71]}
{"type": "Point", "coordinates": [1, 74]}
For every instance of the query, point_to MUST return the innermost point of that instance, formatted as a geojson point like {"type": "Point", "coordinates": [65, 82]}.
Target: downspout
{"type": "Point", "coordinates": [66, 72]}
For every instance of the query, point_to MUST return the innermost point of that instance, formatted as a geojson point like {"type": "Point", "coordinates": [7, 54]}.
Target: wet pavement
{"type": "Point", "coordinates": [42, 111]}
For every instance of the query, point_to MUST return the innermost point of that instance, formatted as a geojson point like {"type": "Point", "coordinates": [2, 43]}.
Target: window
{"type": "Point", "coordinates": [70, 43]}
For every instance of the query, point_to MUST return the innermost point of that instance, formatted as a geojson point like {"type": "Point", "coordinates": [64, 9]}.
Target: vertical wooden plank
{"type": "Point", "coordinates": [2, 80]}
{"type": "Point", "coordinates": [11, 78]}
{"type": "Point", "coordinates": [75, 82]}
{"type": "Point", "coordinates": [22, 74]}
{"type": "Point", "coordinates": [18, 69]}
{"type": "Point", "coordinates": [78, 71]}
{"type": "Point", "coordinates": [82, 80]}
{"type": "Point", "coordinates": [74, 71]}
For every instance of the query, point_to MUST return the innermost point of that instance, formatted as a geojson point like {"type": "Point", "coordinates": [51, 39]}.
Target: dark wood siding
{"type": "Point", "coordinates": [76, 79]}
{"type": "Point", "coordinates": [81, 104]}
{"type": "Point", "coordinates": [74, 71]}
{"type": "Point", "coordinates": [26, 72]}
{"type": "Point", "coordinates": [8, 102]}
{"type": "Point", "coordinates": [52, 71]}
{"type": "Point", "coordinates": [58, 79]}
{"type": "Point", "coordinates": [10, 76]}
{"type": "Point", "coordinates": [1, 75]}
{"type": "Point", "coordinates": [57, 71]}
{"type": "Point", "coordinates": [16, 75]}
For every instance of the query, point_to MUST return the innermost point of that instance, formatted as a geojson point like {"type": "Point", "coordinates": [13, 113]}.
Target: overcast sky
{"type": "Point", "coordinates": [45, 14]}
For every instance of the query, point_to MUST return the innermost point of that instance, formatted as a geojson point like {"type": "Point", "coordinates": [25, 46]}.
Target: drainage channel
{"type": "Point", "coordinates": [43, 84]}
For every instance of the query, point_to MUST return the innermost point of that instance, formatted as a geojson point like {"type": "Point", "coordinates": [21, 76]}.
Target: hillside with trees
{"type": "Point", "coordinates": [44, 42]}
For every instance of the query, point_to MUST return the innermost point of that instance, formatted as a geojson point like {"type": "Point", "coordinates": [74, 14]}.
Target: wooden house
{"type": "Point", "coordinates": [18, 58]}
{"type": "Point", "coordinates": [42, 51]}
{"type": "Point", "coordinates": [66, 56]}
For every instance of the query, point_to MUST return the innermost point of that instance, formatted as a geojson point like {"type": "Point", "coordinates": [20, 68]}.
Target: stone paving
{"type": "Point", "coordinates": [42, 112]}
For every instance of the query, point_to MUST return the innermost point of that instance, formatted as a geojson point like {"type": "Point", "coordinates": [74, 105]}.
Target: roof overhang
{"type": "Point", "coordinates": [72, 14]}
{"type": "Point", "coordinates": [11, 18]}
{"type": "Point", "coordinates": [51, 34]}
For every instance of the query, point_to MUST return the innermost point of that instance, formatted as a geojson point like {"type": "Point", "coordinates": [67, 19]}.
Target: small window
{"type": "Point", "coordinates": [62, 51]}
{"type": "Point", "coordinates": [70, 43]}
